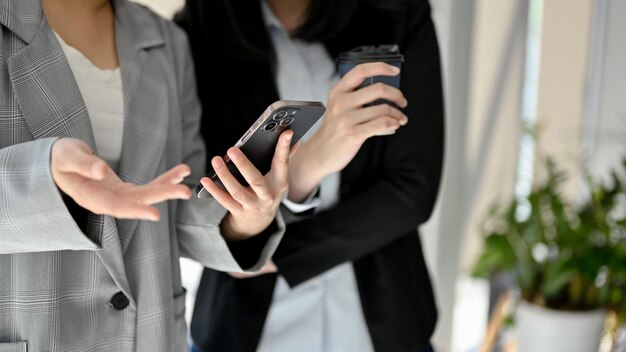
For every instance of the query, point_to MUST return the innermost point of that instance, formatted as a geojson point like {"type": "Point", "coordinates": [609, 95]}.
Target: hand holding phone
{"type": "Point", "coordinates": [251, 208]}
{"type": "Point", "coordinates": [251, 179]}
{"type": "Point", "coordinates": [259, 142]}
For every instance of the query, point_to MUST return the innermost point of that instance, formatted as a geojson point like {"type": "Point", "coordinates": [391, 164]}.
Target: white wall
{"type": "Point", "coordinates": [565, 48]}
{"type": "Point", "coordinates": [605, 121]}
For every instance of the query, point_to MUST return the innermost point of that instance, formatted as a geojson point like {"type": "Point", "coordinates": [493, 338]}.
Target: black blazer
{"type": "Point", "coordinates": [387, 191]}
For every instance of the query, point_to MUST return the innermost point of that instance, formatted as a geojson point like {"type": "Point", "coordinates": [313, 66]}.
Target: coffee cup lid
{"type": "Point", "coordinates": [372, 53]}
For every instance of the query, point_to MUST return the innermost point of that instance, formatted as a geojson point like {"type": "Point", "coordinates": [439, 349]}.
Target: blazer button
{"type": "Point", "coordinates": [120, 301]}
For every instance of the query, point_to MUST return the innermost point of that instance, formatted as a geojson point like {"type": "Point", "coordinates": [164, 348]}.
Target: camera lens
{"type": "Point", "coordinates": [270, 126]}
{"type": "Point", "coordinates": [286, 122]}
{"type": "Point", "coordinates": [280, 115]}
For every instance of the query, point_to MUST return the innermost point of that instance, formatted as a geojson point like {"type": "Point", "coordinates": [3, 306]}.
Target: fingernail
{"type": "Point", "coordinates": [395, 70]}
{"type": "Point", "coordinates": [234, 154]}
{"type": "Point", "coordinates": [288, 137]}
{"type": "Point", "coordinates": [216, 165]}
{"type": "Point", "coordinates": [406, 102]}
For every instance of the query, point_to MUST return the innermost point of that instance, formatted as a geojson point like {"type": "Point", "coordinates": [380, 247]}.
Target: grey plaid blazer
{"type": "Point", "coordinates": [56, 282]}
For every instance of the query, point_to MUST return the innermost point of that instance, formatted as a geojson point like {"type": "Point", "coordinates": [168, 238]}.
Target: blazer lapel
{"type": "Point", "coordinates": [53, 107]}
{"type": "Point", "coordinates": [45, 87]}
{"type": "Point", "coordinates": [146, 107]}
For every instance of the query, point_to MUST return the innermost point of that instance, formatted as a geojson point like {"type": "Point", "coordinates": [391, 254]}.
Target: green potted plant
{"type": "Point", "coordinates": [569, 262]}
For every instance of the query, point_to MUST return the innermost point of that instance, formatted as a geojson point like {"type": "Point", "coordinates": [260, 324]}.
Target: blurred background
{"type": "Point", "coordinates": [524, 79]}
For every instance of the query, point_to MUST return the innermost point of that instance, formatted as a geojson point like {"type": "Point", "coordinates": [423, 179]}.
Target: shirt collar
{"type": "Point", "coordinates": [270, 18]}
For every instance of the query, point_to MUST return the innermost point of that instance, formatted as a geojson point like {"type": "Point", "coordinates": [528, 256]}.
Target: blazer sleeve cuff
{"type": "Point", "coordinates": [200, 239]}
{"type": "Point", "coordinates": [34, 217]}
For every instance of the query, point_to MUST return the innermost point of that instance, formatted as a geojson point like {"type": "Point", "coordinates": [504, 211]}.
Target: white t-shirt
{"type": "Point", "coordinates": [104, 99]}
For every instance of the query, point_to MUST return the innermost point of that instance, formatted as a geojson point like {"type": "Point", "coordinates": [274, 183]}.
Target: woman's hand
{"type": "Point", "coordinates": [253, 208]}
{"type": "Point", "coordinates": [94, 186]}
{"type": "Point", "coordinates": [346, 126]}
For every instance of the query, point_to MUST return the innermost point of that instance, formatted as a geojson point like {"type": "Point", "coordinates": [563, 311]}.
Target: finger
{"type": "Point", "coordinates": [220, 195]}
{"type": "Point", "coordinates": [372, 112]}
{"type": "Point", "coordinates": [74, 156]}
{"type": "Point", "coordinates": [156, 193]}
{"type": "Point", "coordinates": [280, 164]}
{"type": "Point", "coordinates": [359, 73]}
{"type": "Point", "coordinates": [129, 210]}
{"type": "Point", "coordinates": [173, 176]}
{"type": "Point", "coordinates": [374, 92]}
{"type": "Point", "coordinates": [378, 126]}
{"type": "Point", "coordinates": [253, 176]}
{"type": "Point", "coordinates": [236, 190]}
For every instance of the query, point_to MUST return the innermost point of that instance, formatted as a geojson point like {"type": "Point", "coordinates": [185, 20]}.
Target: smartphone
{"type": "Point", "coordinates": [259, 142]}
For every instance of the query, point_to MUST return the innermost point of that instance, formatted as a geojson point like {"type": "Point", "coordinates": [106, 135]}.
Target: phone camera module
{"type": "Point", "coordinates": [280, 115]}
{"type": "Point", "coordinates": [286, 122]}
{"type": "Point", "coordinates": [270, 126]}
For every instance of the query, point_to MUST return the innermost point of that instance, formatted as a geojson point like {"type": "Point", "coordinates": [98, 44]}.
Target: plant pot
{"type": "Point", "coordinates": [620, 339]}
{"type": "Point", "coordinates": [546, 330]}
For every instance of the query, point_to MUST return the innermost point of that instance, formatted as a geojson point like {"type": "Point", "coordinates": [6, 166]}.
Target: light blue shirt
{"type": "Point", "coordinates": [323, 314]}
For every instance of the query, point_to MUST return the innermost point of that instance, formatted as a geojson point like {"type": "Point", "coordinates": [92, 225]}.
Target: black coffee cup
{"type": "Point", "coordinates": [372, 53]}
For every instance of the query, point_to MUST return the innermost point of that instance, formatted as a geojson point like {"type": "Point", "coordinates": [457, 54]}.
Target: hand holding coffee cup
{"type": "Point", "coordinates": [364, 54]}
{"type": "Point", "coordinates": [349, 121]}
